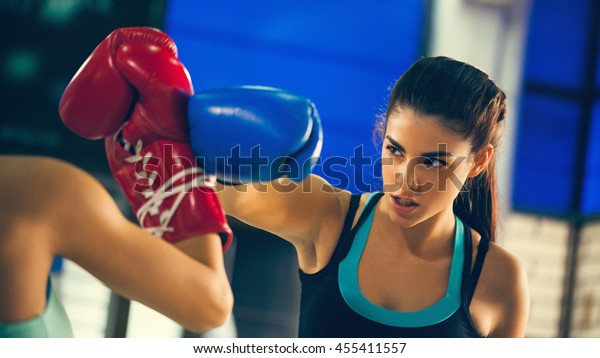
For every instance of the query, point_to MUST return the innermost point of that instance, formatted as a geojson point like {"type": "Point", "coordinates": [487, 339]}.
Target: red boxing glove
{"type": "Point", "coordinates": [99, 98]}
{"type": "Point", "coordinates": [133, 91]}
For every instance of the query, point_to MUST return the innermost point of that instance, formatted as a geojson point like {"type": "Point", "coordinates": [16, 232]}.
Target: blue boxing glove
{"type": "Point", "coordinates": [254, 134]}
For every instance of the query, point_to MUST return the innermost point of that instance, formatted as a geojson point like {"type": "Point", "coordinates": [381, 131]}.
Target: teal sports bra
{"type": "Point", "coordinates": [52, 323]}
{"type": "Point", "coordinates": [332, 304]}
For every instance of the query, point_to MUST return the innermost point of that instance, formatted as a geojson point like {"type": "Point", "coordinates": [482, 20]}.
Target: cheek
{"type": "Point", "coordinates": [452, 181]}
{"type": "Point", "coordinates": [388, 170]}
{"type": "Point", "coordinates": [389, 176]}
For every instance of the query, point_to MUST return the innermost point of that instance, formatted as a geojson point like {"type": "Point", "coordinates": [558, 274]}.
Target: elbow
{"type": "Point", "coordinates": [223, 307]}
{"type": "Point", "coordinates": [214, 311]}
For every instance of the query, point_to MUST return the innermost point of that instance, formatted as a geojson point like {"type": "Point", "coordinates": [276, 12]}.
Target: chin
{"type": "Point", "coordinates": [404, 220]}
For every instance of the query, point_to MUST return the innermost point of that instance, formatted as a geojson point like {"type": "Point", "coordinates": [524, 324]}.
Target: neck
{"type": "Point", "coordinates": [434, 236]}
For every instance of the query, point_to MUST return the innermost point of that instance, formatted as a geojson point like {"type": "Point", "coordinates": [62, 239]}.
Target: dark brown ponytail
{"type": "Point", "coordinates": [476, 205]}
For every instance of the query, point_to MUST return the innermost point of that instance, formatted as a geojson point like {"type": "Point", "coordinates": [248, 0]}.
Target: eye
{"type": "Point", "coordinates": [435, 163]}
{"type": "Point", "coordinates": [393, 150]}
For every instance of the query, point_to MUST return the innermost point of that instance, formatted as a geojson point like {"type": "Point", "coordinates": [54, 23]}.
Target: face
{"type": "Point", "coordinates": [424, 167]}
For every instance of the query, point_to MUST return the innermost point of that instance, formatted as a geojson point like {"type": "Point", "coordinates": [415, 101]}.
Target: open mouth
{"type": "Point", "coordinates": [405, 202]}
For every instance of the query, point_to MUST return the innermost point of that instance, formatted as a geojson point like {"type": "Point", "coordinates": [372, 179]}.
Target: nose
{"type": "Point", "coordinates": [406, 176]}
{"type": "Point", "coordinates": [411, 182]}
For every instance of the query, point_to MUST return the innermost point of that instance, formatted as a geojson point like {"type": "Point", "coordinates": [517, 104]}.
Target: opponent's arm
{"type": "Point", "coordinates": [191, 288]}
{"type": "Point", "coordinates": [53, 208]}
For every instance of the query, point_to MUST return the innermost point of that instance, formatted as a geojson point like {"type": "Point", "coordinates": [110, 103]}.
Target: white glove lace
{"type": "Point", "coordinates": [154, 205]}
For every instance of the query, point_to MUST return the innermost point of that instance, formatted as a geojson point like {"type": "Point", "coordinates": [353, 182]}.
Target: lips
{"type": "Point", "coordinates": [403, 205]}
{"type": "Point", "coordinates": [404, 201]}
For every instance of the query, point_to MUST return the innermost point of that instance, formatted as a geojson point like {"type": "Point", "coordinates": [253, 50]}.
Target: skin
{"type": "Point", "coordinates": [403, 250]}
{"type": "Point", "coordinates": [50, 208]}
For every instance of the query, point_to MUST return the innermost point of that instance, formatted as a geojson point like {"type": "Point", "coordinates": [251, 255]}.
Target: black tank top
{"type": "Point", "coordinates": [328, 307]}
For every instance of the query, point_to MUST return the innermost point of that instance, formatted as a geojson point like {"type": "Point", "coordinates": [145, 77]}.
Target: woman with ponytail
{"type": "Point", "coordinates": [418, 259]}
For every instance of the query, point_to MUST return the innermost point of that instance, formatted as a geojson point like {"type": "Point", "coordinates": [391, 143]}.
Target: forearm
{"type": "Point", "coordinates": [291, 210]}
{"type": "Point", "coordinates": [236, 199]}
{"type": "Point", "coordinates": [190, 287]}
{"type": "Point", "coordinates": [218, 304]}
{"type": "Point", "coordinates": [270, 205]}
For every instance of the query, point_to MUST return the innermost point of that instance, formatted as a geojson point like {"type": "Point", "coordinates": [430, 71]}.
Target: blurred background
{"type": "Point", "coordinates": [344, 55]}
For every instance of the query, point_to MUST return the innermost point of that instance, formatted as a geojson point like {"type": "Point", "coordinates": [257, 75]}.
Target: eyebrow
{"type": "Point", "coordinates": [428, 154]}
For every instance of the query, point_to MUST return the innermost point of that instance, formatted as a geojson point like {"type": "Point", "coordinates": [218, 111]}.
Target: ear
{"type": "Point", "coordinates": [481, 160]}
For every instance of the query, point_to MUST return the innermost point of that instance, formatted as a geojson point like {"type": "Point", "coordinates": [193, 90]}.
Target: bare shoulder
{"type": "Point", "coordinates": [314, 204]}
{"type": "Point", "coordinates": [503, 285]}
{"type": "Point", "coordinates": [48, 191]}
{"type": "Point", "coordinates": [332, 228]}
{"type": "Point", "coordinates": [328, 206]}
{"type": "Point", "coordinates": [32, 172]}
{"type": "Point", "coordinates": [40, 199]}
{"type": "Point", "coordinates": [505, 268]}
{"type": "Point", "coordinates": [29, 183]}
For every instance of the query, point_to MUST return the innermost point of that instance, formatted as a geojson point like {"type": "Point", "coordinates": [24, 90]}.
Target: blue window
{"type": "Point", "coordinates": [591, 200]}
{"type": "Point", "coordinates": [557, 42]}
{"type": "Point", "coordinates": [557, 170]}
{"type": "Point", "coordinates": [545, 166]}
